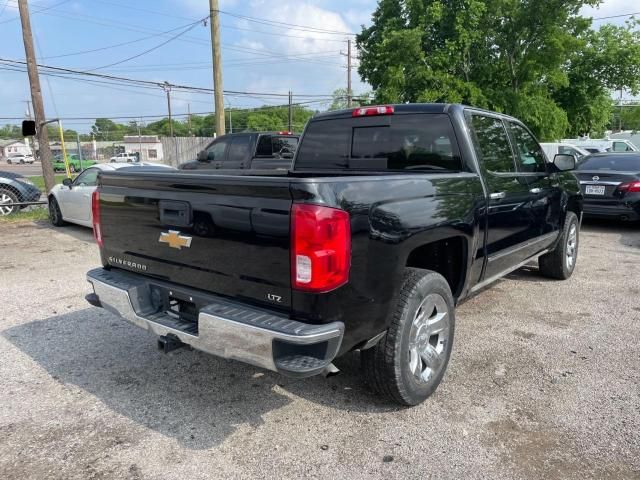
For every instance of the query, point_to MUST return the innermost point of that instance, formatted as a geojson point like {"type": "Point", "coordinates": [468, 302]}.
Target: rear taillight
{"type": "Point", "coordinates": [95, 214]}
{"type": "Point", "coordinates": [629, 187]}
{"type": "Point", "coordinates": [370, 111]}
{"type": "Point", "coordinates": [320, 248]}
{"type": "Point", "coordinates": [285, 133]}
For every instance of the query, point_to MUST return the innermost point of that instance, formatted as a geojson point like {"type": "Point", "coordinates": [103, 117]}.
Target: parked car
{"type": "Point", "coordinates": [124, 157]}
{"type": "Point", "coordinates": [75, 164]}
{"type": "Point", "coordinates": [254, 151]}
{"type": "Point", "coordinates": [595, 145]}
{"type": "Point", "coordinates": [20, 158]}
{"type": "Point", "coordinates": [15, 188]}
{"type": "Point", "coordinates": [70, 201]}
{"type": "Point", "coordinates": [610, 183]}
{"type": "Point", "coordinates": [553, 149]}
{"type": "Point", "coordinates": [390, 216]}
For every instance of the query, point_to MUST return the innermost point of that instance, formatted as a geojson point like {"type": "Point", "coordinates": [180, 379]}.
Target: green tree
{"type": "Point", "coordinates": [539, 61]}
{"type": "Point", "coordinates": [631, 118]}
{"type": "Point", "coordinates": [340, 99]}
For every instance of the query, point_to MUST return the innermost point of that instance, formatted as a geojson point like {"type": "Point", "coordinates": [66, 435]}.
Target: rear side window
{"type": "Point", "coordinates": [269, 145]}
{"type": "Point", "coordinates": [529, 155]}
{"type": "Point", "coordinates": [491, 143]}
{"type": "Point", "coordinates": [394, 142]}
{"type": "Point", "coordinates": [239, 150]}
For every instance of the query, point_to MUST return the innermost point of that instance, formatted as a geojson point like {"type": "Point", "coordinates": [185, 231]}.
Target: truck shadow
{"type": "Point", "coordinates": [196, 398]}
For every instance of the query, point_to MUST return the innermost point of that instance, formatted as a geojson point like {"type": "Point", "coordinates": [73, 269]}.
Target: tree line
{"type": "Point", "coordinates": [258, 119]}
{"type": "Point", "coordinates": [540, 61]}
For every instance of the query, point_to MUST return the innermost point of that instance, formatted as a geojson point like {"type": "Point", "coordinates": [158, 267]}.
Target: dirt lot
{"type": "Point", "coordinates": [544, 383]}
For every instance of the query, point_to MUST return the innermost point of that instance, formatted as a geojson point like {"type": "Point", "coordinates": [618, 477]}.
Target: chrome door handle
{"type": "Point", "coordinates": [536, 190]}
{"type": "Point", "coordinates": [497, 195]}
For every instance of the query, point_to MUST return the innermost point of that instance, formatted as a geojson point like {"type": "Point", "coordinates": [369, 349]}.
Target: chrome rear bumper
{"type": "Point", "coordinates": [223, 328]}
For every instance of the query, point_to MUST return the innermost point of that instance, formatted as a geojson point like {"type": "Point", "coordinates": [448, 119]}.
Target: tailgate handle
{"type": "Point", "coordinates": [175, 213]}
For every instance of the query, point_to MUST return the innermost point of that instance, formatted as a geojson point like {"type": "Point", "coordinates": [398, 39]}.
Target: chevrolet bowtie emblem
{"type": "Point", "coordinates": [175, 240]}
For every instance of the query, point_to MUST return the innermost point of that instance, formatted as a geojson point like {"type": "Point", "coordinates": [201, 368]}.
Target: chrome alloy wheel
{"type": "Point", "coordinates": [428, 338]}
{"type": "Point", "coordinates": [5, 200]}
{"type": "Point", "coordinates": [572, 246]}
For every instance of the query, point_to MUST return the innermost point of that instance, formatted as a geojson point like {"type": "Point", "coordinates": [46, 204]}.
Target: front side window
{"type": "Point", "coordinates": [621, 147]}
{"type": "Point", "coordinates": [88, 178]}
{"type": "Point", "coordinates": [216, 151]}
{"type": "Point", "coordinates": [491, 143]}
{"type": "Point", "coordinates": [529, 155]}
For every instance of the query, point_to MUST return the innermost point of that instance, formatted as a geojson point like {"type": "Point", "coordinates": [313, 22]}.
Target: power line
{"type": "Point", "coordinates": [162, 44]}
{"type": "Point", "coordinates": [293, 26]}
{"type": "Point", "coordinates": [107, 47]}
{"type": "Point", "coordinates": [617, 16]}
{"type": "Point", "coordinates": [157, 84]}
{"type": "Point", "coordinates": [55, 5]}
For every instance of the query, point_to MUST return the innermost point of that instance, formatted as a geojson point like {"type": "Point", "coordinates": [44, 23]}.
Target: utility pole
{"type": "Point", "coordinates": [349, 73]}
{"type": "Point", "coordinates": [290, 111]}
{"type": "Point", "coordinates": [140, 159]}
{"type": "Point", "coordinates": [189, 117]}
{"type": "Point", "coordinates": [79, 149]}
{"type": "Point", "coordinates": [36, 97]}
{"type": "Point", "coordinates": [217, 66]}
{"type": "Point", "coordinates": [167, 88]}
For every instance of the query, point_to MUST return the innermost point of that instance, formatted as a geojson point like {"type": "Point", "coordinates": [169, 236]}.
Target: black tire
{"type": "Point", "coordinates": [389, 367]}
{"type": "Point", "coordinates": [6, 197]}
{"type": "Point", "coordinates": [561, 261]}
{"type": "Point", "coordinates": [55, 214]}
{"type": "Point", "coordinates": [9, 162]}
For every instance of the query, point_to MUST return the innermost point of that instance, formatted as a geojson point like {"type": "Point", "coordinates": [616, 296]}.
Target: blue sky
{"type": "Point", "coordinates": [257, 57]}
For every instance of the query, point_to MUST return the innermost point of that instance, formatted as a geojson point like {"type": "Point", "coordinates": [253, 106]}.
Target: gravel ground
{"type": "Point", "coordinates": [544, 382]}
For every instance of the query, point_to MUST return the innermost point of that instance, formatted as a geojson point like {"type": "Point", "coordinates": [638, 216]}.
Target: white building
{"type": "Point", "coordinates": [149, 147]}
{"type": "Point", "coordinates": [11, 147]}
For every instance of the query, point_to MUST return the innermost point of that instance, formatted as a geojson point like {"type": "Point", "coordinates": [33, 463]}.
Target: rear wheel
{"type": "Point", "coordinates": [409, 362]}
{"type": "Point", "coordinates": [561, 262]}
{"type": "Point", "coordinates": [7, 197]}
{"type": "Point", "coordinates": [55, 214]}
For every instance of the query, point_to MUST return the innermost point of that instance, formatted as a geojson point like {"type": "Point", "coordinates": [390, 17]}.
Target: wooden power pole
{"type": "Point", "coordinates": [217, 66]}
{"type": "Point", "coordinates": [349, 94]}
{"type": "Point", "coordinates": [290, 111]}
{"type": "Point", "coordinates": [36, 97]}
{"type": "Point", "coordinates": [167, 88]}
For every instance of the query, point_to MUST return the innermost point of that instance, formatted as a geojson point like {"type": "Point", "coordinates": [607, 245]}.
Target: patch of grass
{"type": "Point", "coordinates": [38, 180]}
{"type": "Point", "coordinates": [31, 215]}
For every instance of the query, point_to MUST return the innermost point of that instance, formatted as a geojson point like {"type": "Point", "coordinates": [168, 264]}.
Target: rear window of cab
{"type": "Point", "coordinates": [417, 142]}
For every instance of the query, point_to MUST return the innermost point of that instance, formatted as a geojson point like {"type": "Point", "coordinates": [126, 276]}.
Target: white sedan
{"type": "Point", "coordinates": [70, 201]}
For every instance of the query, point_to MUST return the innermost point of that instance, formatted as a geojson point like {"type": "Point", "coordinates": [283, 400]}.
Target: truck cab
{"type": "Point", "coordinates": [250, 151]}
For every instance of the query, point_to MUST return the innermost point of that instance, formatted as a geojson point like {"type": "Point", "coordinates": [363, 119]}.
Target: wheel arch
{"type": "Point", "coordinates": [446, 256]}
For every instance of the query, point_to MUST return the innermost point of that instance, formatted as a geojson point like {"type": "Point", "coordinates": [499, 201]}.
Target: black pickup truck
{"type": "Point", "coordinates": [249, 150]}
{"type": "Point", "coordinates": [389, 218]}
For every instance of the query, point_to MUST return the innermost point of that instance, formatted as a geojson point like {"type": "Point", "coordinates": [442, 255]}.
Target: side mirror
{"type": "Point", "coordinates": [28, 128]}
{"type": "Point", "coordinates": [564, 162]}
{"type": "Point", "coordinates": [202, 156]}
{"type": "Point", "coordinates": [67, 182]}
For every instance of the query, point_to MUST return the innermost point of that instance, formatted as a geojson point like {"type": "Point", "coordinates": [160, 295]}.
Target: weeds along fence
{"type": "Point", "coordinates": [178, 150]}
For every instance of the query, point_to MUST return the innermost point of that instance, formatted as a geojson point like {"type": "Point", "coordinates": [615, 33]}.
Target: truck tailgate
{"type": "Point", "coordinates": [226, 235]}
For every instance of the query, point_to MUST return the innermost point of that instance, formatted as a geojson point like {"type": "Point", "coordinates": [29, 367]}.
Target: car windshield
{"type": "Point", "coordinates": [620, 163]}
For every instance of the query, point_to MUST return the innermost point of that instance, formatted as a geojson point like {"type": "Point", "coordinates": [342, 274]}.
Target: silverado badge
{"type": "Point", "coordinates": [175, 240]}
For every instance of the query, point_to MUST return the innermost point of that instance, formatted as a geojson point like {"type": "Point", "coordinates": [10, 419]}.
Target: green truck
{"type": "Point", "coordinates": [75, 164]}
